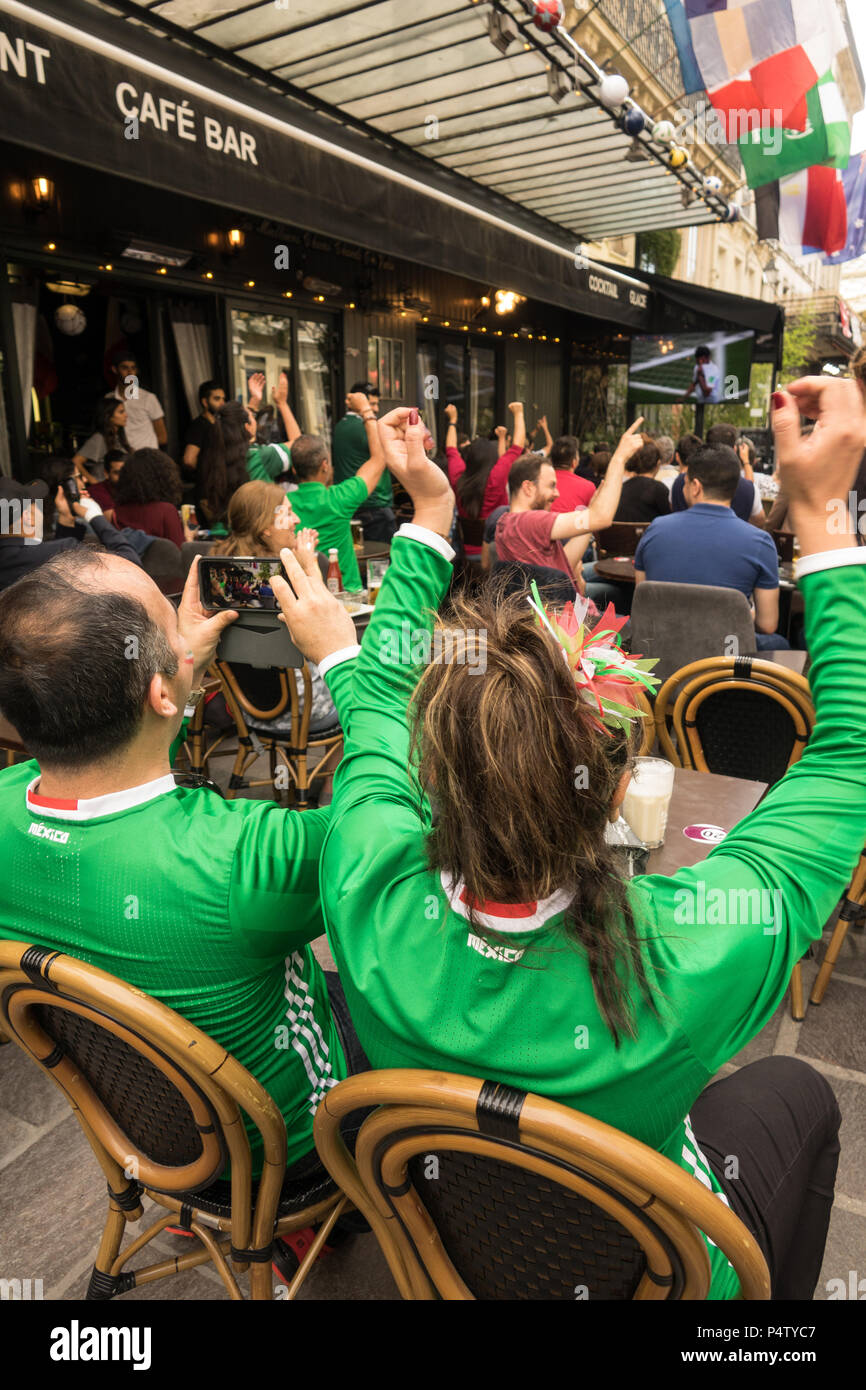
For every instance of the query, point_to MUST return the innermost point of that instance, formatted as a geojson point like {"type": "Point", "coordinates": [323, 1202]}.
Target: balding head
{"type": "Point", "coordinates": [81, 640]}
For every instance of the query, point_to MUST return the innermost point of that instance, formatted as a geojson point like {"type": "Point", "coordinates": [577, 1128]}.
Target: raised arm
{"type": "Point", "coordinates": [280, 398]}
{"type": "Point", "coordinates": [768, 889]}
{"type": "Point", "coordinates": [548, 437]}
{"type": "Point", "coordinates": [518, 434]}
{"type": "Point", "coordinates": [451, 432]}
{"type": "Point", "coordinates": [371, 471]}
{"type": "Point", "coordinates": [605, 500]}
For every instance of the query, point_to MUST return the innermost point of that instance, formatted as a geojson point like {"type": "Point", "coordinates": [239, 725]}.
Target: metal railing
{"type": "Point", "coordinates": [645, 27]}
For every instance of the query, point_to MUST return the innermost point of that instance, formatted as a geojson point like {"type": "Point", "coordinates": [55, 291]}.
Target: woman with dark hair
{"type": "Point", "coordinates": [222, 463]}
{"type": "Point", "coordinates": [147, 495]}
{"type": "Point", "coordinates": [499, 941]}
{"type": "Point", "coordinates": [479, 475]}
{"type": "Point", "coordinates": [110, 433]}
{"type": "Point", "coordinates": [232, 456]}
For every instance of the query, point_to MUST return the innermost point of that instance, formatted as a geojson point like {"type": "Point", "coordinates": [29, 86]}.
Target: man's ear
{"type": "Point", "coordinates": [160, 698]}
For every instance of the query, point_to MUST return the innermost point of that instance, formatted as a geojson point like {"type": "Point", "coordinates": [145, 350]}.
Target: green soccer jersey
{"type": "Point", "coordinates": [265, 462]}
{"type": "Point", "coordinates": [426, 988]}
{"type": "Point", "coordinates": [350, 452]}
{"type": "Point", "coordinates": [329, 510]}
{"type": "Point", "coordinates": [208, 905]}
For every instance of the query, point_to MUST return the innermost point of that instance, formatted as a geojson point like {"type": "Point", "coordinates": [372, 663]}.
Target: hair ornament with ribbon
{"type": "Point", "coordinates": [603, 674]}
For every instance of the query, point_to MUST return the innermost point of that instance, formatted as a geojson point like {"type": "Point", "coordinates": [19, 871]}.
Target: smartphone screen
{"type": "Point", "coordinates": [238, 581]}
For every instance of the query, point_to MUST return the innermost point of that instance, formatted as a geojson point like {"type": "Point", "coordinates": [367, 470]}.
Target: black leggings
{"type": "Point", "coordinates": [779, 1119]}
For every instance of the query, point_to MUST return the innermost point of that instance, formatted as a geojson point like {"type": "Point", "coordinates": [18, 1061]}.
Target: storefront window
{"type": "Point", "coordinates": [260, 343]}
{"type": "Point", "coordinates": [482, 391]}
{"type": "Point", "coordinates": [263, 342]}
{"type": "Point", "coordinates": [314, 379]}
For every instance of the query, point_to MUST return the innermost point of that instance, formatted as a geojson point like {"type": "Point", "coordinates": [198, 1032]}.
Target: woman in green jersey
{"type": "Point", "coordinates": [496, 941]}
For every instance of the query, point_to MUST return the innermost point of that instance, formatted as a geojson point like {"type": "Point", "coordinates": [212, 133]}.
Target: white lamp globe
{"type": "Point", "coordinates": [613, 90]}
{"type": "Point", "coordinates": [70, 320]}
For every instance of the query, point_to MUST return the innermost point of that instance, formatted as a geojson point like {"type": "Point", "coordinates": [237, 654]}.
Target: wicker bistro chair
{"type": "Point", "coordinates": [159, 1099]}
{"type": "Point", "coordinates": [288, 743]}
{"type": "Point", "coordinates": [477, 1190]}
{"type": "Point", "coordinates": [739, 717]}
{"type": "Point", "coordinates": [736, 716]}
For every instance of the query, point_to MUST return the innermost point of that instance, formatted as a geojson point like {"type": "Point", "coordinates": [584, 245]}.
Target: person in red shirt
{"type": "Point", "coordinates": [532, 534]}
{"type": "Point", "coordinates": [148, 494]}
{"type": "Point", "coordinates": [480, 475]}
{"type": "Point", "coordinates": [573, 490]}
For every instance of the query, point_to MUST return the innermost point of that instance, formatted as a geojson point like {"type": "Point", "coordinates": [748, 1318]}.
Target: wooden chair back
{"type": "Point", "coordinates": [621, 538]}
{"type": "Point", "coordinates": [160, 1102]}
{"type": "Point", "coordinates": [477, 1190]}
{"type": "Point", "coordinates": [737, 716]}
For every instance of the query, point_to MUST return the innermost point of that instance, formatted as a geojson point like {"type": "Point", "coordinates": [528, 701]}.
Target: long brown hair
{"type": "Point", "coordinates": [522, 781]}
{"type": "Point", "coordinates": [251, 512]}
{"type": "Point", "coordinates": [222, 463]}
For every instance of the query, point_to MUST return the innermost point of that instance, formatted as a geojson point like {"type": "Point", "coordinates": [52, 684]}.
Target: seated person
{"type": "Point", "coordinates": [419, 911]}
{"type": "Point", "coordinates": [110, 434]}
{"type": "Point", "coordinates": [261, 522]}
{"type": "Point", "coordinates": [22, 548]}
{"type": "Point", "coordinates": [746, 502]}
{"type": "Point", "coordinates": [105, 493]}
{"type": "Point", "coordinates": [574, 491]}
{"type": "Point", "coordinates": [328, 507]}
{"type": "Point", "coordinates": [643, 498]}
{"type": "Point", "coordinates": [148, 493]}
{"type": "Point", "coordinates": [479, 473]}
{"type": "Point", "coordinates": [208, 905]}
{"type": "Point", "coordinates": [668, 471]}
{"type": "Point", "coordinates": [708, 544]}
{"type": "Point", "coordinates": [532, 534]}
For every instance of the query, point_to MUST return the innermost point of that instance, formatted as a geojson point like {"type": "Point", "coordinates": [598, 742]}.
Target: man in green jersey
{"type": "Point", "coordinates": [328, 506]}
{"type": "Point", "coordinates": [350, 452]}
{"type": "Point", "coordinates": [209, 905]}
{"type": "Point", "coordinates": [503, 990]}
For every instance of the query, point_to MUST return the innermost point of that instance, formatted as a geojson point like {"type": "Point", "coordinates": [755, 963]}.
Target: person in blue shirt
{"type": "Point", "coordinates": [746, 503]}
{"type": "Point", "coordinates": [709, 544]}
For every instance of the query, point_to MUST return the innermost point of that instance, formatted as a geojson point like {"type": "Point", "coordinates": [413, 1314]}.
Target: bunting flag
{"type": "Point", "coordinates": [854, 185]}
{"type": "Point", "coordinates": [806, 212]}
{"type": "Point", "coordinates": [774, 152]}
{"type": "Point", "coordinates": [691, 72]}
{"type": "Point", "coordinates": [763, 56]}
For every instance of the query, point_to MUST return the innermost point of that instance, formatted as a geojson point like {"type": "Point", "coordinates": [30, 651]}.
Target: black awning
{"type": "Point", "coordinates": [680, 304]}
{"type": "Point", "coordinates": [165, 117]}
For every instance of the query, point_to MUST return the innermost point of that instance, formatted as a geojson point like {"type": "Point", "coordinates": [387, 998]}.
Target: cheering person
{"type": "Point", "coordinates": [498, 941]}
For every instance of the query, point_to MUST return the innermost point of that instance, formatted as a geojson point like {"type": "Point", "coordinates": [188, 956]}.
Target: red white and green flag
{"type": "Point", "coordinates": [774, 152]}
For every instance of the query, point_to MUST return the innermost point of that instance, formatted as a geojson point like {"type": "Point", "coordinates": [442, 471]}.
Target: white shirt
{"type": "Point", "coordinates": [711, 377]}
{"type": "Point", "coordinates": [141, 411]}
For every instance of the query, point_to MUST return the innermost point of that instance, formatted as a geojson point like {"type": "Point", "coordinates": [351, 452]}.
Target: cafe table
{"type": "Point", "coordinates": [704, 807]}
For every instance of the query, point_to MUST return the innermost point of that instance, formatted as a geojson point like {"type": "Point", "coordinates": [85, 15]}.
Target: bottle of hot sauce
{"type": "Point", "coordinates": [334, 579]}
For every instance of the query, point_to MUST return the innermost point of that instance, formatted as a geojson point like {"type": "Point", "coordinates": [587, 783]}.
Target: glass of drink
{"type": "Point", "coordinates": [375, 574]}
{"type": "Point", "coordinates": [357, 533]}
{"type": "Point", "coordinates": [648, 799]}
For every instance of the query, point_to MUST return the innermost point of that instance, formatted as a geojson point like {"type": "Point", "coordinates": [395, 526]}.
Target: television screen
{"type": "Point", "coordinates": [703, 368]}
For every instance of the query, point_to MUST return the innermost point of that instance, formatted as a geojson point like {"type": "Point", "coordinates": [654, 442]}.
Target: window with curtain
{"type": "Point", "coordinates": [314, 379]}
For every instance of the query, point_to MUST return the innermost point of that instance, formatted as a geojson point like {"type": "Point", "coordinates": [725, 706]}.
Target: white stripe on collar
{"type": "Point", "coordinates": [532, 915]}
{"type": "Point", "coordinates": [90, 807]}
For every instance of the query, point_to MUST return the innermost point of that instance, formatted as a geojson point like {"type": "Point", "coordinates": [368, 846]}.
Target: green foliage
{"type": "Point", "coordinates": [798, 347]}
{"type": "Point", "coordinates": [659, 251]}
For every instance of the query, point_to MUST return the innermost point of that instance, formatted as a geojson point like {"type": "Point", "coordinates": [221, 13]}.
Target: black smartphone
{"type": "Point", "coordinates": [239, 581]}
{"type": "Point", "coordinates": [70, 489]}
